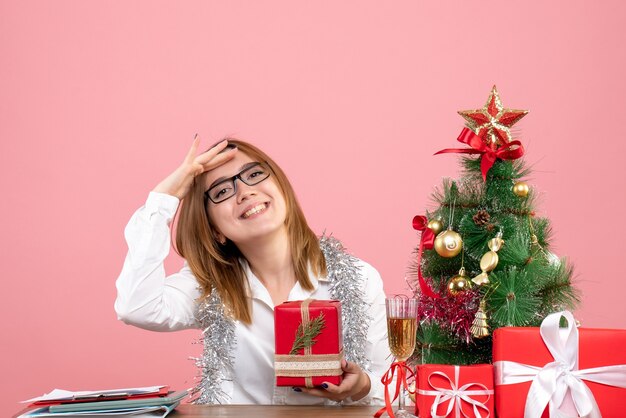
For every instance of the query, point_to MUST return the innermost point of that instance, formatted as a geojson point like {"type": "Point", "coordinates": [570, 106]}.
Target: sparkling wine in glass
{"type": "Point", "coordinates": [402, 337]}
{"type": "Point", "coordinates": [401, 331]}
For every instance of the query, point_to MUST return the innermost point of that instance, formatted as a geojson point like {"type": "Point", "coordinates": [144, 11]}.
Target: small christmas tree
{"type": "Point", "coordinates": [484, 257]}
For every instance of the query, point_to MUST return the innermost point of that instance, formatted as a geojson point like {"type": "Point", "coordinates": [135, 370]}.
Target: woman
{"type": "Point", "coordinates": [247, 248]}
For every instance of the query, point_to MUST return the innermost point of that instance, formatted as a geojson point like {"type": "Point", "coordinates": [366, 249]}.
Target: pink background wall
{"type": "Point", "coordinates": [99, 101]}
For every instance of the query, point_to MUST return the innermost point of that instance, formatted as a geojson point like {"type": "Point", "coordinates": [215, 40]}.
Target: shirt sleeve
{"type": "Point", "coordinates": [377, 348]}
{"type": "Point", "coordinates": [147, 298]}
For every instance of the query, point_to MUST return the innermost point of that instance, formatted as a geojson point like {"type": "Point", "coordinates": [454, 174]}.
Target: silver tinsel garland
{"type": "Point", "coordinates": [216, 363]}
{"type": "Point", "coordinates": [218, 335]}
{"type": "Point", "coordinates": [346, 285]}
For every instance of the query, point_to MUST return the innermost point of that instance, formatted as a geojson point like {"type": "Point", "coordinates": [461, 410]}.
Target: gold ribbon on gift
{"type": "Point", "coordinates": [308, 365]}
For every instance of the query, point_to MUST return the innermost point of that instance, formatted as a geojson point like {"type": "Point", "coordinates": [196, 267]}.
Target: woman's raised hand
{"type": "Point", "coordinates": [179, 182]}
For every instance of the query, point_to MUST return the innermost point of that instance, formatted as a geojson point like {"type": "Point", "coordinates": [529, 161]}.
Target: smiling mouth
{"type": "Point", "coordinates": [261, 207]}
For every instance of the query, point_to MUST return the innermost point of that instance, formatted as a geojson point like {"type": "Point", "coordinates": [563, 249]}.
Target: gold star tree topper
{"type": "Point", "coordinates": [493, 121]}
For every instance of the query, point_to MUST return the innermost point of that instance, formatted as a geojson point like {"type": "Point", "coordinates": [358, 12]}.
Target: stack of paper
{"type": "Point", "coordinates": [153, 401]}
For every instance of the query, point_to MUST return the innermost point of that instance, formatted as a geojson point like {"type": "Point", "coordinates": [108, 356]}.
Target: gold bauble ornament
{"type": "Point", "coordinates": [459, 283]}
{"type": "Point", "coordinates": [435, 225]}
{"type": "Point", "coordinates": [448, 243]}
{"type": "Point", "coordinates": [521, 189]}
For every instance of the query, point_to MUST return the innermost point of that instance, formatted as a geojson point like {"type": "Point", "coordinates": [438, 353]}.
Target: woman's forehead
{"type": "Point", "coordinates": [229, 168]}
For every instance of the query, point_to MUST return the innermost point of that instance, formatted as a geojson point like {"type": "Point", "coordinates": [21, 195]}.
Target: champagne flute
{"type": "Point", "coordinates": [401, 331]}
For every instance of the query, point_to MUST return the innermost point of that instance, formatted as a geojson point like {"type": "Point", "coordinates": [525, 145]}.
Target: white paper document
{"type": "Point", "coordinates": [61, 394]}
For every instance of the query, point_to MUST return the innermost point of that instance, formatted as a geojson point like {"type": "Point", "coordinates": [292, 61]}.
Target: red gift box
{"type": "Point", "coordinates": [318, 359]}
{"type": "Point", "coordinates": [454, 391]}
{"type": "Point", "coordinates": [516, 348]}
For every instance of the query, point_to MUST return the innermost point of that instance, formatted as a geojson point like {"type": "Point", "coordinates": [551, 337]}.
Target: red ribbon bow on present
{"type": "Point", "coordinates": [509, 151]}
{"type": "Point", "coordinates": [401, 369]}
{"type": "Point", "coordinates": [427, 242]}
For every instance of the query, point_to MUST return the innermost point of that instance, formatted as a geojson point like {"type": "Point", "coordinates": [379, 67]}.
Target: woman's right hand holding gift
{"type": "Point", "coordinates": [355, 385]}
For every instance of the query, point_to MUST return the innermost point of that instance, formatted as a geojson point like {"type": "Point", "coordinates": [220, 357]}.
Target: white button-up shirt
{"type": "Point", "coordinates": [149, 299]}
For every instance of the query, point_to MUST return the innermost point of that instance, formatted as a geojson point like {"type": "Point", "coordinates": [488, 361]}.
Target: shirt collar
{"type": "Point", "coordinates": [258, 291]}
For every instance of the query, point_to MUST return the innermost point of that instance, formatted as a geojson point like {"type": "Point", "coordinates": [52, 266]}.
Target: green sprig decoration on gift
{"type": "Point", "coordinates": [306, 334]}
{"type": "Point", "coordinates": [505, 247]}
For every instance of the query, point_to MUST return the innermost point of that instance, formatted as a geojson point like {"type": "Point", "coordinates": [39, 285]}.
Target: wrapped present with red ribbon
{"type": "Point", "coordinates": [454, 391]}
{"type": "Point", "coordinates": [309, 344]}
{"type": "Point", "coordinates": [553, 371]}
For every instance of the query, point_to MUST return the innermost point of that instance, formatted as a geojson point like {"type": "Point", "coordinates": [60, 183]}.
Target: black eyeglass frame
{"type": "Point", "coordinates": [233, 180]}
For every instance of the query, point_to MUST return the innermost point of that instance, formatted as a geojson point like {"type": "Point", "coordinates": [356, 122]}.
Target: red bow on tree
{"type": "Point", "coordinates": [509, 151]}
{"type": "Point", "coordinates": [427, 242]}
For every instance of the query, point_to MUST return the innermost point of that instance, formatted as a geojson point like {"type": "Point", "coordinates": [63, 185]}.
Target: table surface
{"type": "Point", "coordinates": [262, 411]}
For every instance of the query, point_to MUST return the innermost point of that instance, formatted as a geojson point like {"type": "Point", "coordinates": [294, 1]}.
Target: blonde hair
{"type": "Point", "coordinates": [217, 266]}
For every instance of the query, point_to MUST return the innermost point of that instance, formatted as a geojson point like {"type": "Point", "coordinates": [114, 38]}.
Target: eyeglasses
{"type": "Point", "coordinates": [225, 189]}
